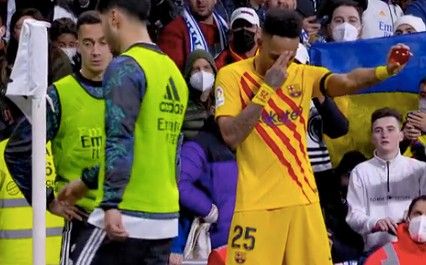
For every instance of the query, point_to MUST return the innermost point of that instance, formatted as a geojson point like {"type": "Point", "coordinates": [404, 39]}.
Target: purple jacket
{"type": "Point", "coordinates": [209, 176]}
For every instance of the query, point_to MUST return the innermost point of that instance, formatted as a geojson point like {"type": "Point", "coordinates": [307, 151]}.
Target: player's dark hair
{"type": "Point", "coordinates": [339, 3]}
{"type": "Point", "coordinates": [136, 8]}
{"type": "Point", "coordinates": [386, 112]}
{"type": "Point", "coordinates": [283, 23]}
{"type": "Point", "coordinates": [88, 18]}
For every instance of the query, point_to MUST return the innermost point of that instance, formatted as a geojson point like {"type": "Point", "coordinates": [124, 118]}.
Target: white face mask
{"type": "Point", "coordinates": [70, 52]}
{"type": "Point", "coordinates": [202, 81]}
{"type": "Point", "coordinates": [417, 229]}
{"type": "Point", "coordinates": [422, 105]}
{"type": "Point", "coordinates": [345, 32]}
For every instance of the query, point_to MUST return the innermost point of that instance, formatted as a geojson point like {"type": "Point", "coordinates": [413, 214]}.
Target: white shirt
{"type": "Point", "coordinates": [138, 227]}
{"type": "Point", "coordinates": [379, 189]}
{"type": "Point", "coordinates": [378, 19]}
{"type": "Point", "coordinates": [317, 150]}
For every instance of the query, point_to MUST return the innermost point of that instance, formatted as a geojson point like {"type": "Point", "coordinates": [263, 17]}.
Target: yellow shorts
{"type": "Point", "coordinates": [294, 235]}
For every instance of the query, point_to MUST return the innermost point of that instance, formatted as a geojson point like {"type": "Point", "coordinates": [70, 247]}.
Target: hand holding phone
{"type": "Point", "coordinates": [400, 55]}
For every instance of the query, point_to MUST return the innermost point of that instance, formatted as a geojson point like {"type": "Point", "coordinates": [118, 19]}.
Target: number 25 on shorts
{"type": "Point", "coordinates": [243, 236]}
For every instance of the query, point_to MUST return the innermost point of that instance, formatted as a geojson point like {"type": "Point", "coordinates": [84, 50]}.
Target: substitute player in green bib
{"type": "Point", "coordinates": [76, 129]}
{"type": "Point", "coordinates": [146, 98]}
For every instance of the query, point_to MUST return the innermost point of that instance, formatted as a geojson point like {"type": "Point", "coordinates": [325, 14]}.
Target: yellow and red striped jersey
{"type": "Point", "coordinates": [273, 164]}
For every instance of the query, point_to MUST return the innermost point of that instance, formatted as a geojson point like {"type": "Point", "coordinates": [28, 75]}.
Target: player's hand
{"type": "Point", "coordinates": [396, 63]}
{"type": "Point", "coordinates": [418, 120]}
{"type": "Point", "coordinates": [212, 216]}
{"type": "Point", "coordinates": [277, 74]}
{"type": "Point", "coordinates": [63, 209]}
{"type": "Point", "coordinates": [385, 225]}
{"type": "Point", "coordinates": [175, 259]}
{"type": "Point", "coordinates": [73, 191]}
{"type": "Point", "coordinates": [114, 225]}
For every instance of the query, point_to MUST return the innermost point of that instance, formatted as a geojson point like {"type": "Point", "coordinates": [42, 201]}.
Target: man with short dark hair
{"type": "Point", "coordinates": [262, 108]}
{"type": "Point", "coordinates": [146, 98]}
{"type": "Point", "coordinates": [75, 127]}
{"type": "Point", "coordinates": [199, 27]}
{"type": "Point", "coordinates": [381, 188]}
{"type": "Point", "coordinates": [245, 29]}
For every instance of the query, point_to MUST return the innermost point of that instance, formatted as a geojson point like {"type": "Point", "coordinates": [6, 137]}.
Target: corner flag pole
{"type": "Point", "coordinates": [28, 91]}
{"type": "Point", "coordinates": [39, 179]}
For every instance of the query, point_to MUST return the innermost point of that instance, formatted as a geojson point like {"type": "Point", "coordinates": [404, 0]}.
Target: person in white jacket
{"type": "Point", "coordinates": [379, 18]}
{"type": "Point", "coordinates": [381, 189]}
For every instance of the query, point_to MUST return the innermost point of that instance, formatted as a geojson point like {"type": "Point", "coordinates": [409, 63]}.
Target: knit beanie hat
{"type": "Point", "coordinates": [415, 22]}
{"type": "Point", "coordinates": [195, 55]}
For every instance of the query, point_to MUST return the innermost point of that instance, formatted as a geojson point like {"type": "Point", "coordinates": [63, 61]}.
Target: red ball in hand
{"type": "Point", "coordinates": [400, 55]}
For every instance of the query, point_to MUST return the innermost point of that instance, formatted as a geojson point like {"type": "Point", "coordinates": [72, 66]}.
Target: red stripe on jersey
{"type": "Point", "coordinates": [290, 125]}
{"type": "Point", "coordinates": [281, 95]}
{"type": "Point", "coordinates": [249, 93]}
{"type": "Point", "coordinates": [251, 79]}
{"type": "Point", "coordinates": [292, 105]}
{"type": "Point", "coordinates": [285, 140]}
{"type": "Point", "coordinates": [276, 150]}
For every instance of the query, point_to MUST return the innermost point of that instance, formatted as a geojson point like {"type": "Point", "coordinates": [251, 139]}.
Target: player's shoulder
{"type": "Point", "coordinates": [121, 61]}
{"type": "Point", "coordinates": [123, 68]}
{"type": "Point", "coordinates": [307, 68]}
{"type": "Point", "coordinates": [237, 68]}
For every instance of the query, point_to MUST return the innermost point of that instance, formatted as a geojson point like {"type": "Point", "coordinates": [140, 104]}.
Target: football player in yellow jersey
{"type": "Point", "coordinates": [262, 108]}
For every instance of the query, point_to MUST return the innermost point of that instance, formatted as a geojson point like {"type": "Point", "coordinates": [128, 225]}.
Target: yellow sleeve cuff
{"type": "Point", "coordinates": [382, 73]}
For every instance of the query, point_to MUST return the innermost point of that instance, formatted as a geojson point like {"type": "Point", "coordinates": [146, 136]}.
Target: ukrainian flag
{"type": "Point", "coordinates": [399, 92]}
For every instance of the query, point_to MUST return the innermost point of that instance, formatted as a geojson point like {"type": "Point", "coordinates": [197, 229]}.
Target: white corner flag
{"type": "Point", "coordinates": [28, 91]}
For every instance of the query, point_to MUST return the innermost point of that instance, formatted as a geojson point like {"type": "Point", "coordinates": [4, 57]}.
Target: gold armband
{"type": "Point", "coordinates": [263, 95]}
{"type": "Point", "coordinates": [382, 73]}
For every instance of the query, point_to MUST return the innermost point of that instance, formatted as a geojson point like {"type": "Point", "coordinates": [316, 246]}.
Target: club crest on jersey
{"type": "Point", "coordinates": [240, 257]}
{"type": "Point", "coordinates": [294, 90]}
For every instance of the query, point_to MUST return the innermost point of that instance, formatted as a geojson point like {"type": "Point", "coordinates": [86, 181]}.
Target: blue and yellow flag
{"type": "Point", "coordinates": [399, 92]}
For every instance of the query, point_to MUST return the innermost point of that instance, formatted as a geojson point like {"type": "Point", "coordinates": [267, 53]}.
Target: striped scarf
{"type": "Point", "coordinates": [196, 37]}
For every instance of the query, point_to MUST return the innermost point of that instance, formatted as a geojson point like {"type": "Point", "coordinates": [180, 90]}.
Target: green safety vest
{"type": "Point", "coordinates": [152, 186]}
{"type": "Point", "coordinates": [16, 220]}
{"type": "Point", "coordinates": [80, 140]}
